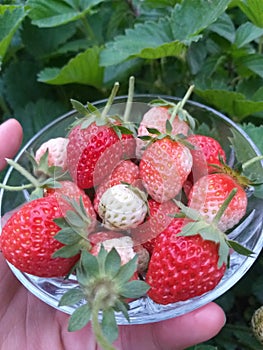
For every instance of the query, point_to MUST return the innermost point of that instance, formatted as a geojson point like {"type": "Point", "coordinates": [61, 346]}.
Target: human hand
{"type": "Point", "coordinates": [28, 323]}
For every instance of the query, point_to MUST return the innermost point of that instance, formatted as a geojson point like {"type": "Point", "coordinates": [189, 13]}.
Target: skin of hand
{"type": "Point", "coordinates": [28, 323]}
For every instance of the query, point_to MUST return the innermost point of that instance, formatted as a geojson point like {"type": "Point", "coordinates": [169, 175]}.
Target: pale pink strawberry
{"type": "Point", "coordinates": [164, 167]}
{"type": "Point", "coordinates": [208, 194]}
{"type": "Point", "coordinates": [57, 152]}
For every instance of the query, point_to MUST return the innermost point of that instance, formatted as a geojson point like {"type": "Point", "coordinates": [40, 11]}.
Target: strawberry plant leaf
{"type": "Point", "coordinates": [57, 12]}
{"type": "Point", "coordinates": [231, 102]}
{"type": "Point", "coordinates": [246, 33]}
{"type": "Point", "coordinates": [168, 36]}
{"type": "Point", "coordinates": [80, 318]}
{"type": "Point", "coordinates": [10, 20]}
{"type": "Point", "coordinates": [76, 70]}
{"type": "Point", "coordinates": [224, 27]}
{"type": "Point", "coordinates": [253, 10]}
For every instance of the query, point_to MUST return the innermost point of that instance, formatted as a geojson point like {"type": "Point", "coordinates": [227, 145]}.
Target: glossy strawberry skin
{"type": "Point", "coordinates": [92, 153]}
{"type": "Point", "coordinates": [207, 151]}
{"type": "Point", "coordinates": [164, 167]}
{"type": "Point", "coordinates": [27, 240]}
{"type": "Point", "coordinates": [208, 194]}
{"type": "Point", "coordinates": [181, 267]}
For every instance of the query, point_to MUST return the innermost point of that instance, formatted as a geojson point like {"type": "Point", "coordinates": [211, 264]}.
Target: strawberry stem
{"type": "Point", "coordinates": [224, 206]}
{"type": "Point", "coordinates": [33, 181]}
{"type": "Point", "coordinates": [129, 99]}
{"type": "Point", "coordinates": [110, 100]}
{"type": "Point", "coordinates": [101, 294]}
{"type": "Point", "coordinates": [181, 104]}
{"type": "Point", "coordinates": [249, 162]}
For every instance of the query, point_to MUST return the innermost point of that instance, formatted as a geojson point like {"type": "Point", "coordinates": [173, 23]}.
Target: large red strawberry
{"type": "Point", "coordinates": [164, 167]}
{"type": "Point", "coordinates": [182, 267]}
{"type": "Point", "coordinates": [27, 239]}
{"type": "Point", "coordinates": [97, 143]}
{"type": "Point", "coordinates": [210, 191]}
{"type": "Point", "coordinates": [207, 152]}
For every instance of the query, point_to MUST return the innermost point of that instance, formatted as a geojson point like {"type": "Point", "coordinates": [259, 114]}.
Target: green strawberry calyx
{"type": "Point", "coordinates": [104, 286]}
{"type": "Point", "coordinates": [210, 230]}
{"type": "Point", "coordinates": [177, 109]}
{"type": "Point", "coordinates": [91, 114]}
{"type": "Point", "coordinates": [49, 178]}
{"type": "Point", "coordinates": [238, 172]}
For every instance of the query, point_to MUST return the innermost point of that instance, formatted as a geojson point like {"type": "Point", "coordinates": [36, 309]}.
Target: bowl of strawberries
{"type": "Point", "coordinates": [137, 208]}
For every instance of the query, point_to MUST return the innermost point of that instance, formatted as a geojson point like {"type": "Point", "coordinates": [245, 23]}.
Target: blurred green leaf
{"type": "Point", "coordinates": [53, 13]}
{"type": "Point", "coordinates": [168, 36]}
{"type": "Point", "coordinates": [246, 33]}
{"type": "Point", "coordinates": [253, 10]}
{"type": "Point", "coordinates": [10, 19]}
{"type": "Point", "coordinates": [83, 69]}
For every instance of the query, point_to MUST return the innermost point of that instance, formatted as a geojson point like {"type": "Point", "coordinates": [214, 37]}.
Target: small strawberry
{"type": "Point", "coordinates": [57, 152]}
{"type": "Point", "coordinates": [122, 207]}
{"type": "Point", "coordinates": [164, 167]}
{"type": "Point", "coordinates": [157, 116]}
{"type": "Point", "coordinates": [210, 191]}
{"type": "Point", "coordinates": [207, 152]}
{"type": "Point", "coordinates": [125, 171]}
{"type": "Point", "coordinates": [27, 239]}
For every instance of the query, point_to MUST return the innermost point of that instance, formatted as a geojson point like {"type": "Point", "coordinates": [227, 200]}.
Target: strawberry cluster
{"type": "Point", "coordinates": [131, 210]}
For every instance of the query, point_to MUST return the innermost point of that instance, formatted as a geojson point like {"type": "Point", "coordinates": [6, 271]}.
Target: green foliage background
{"type": "Point", "coordinates": [51, 51]}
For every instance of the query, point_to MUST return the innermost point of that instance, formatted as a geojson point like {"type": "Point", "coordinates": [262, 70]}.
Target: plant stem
{"type": "Point", "coordinates": [101, 340]}
{"type": "Point", "coordinates": [110, 100]}
{"type": "Point", "coordinates": [181, 104]}
{"type": "Point", "coordinates": [224, 206]}
{"type": "Point", "coordinates": [251, 161]}
{"type": "Point", "coordinates": [23, 172]}
{"type": "Point", "coordinates": [129, 99]}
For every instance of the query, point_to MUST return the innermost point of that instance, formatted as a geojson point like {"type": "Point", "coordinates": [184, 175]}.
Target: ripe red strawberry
{"type": "Point", "coordinates": [208, 194]}
{"type": "Point", "coordinates": [27, 240]}
{"type": "Point", "coordinates": [85, 147]}
{"type": "Point", "coordinates": [96, 144]}
{"type": "Point", "coordinates": [156, 118]}
{"type": "Point", "coordinates": [206, 152]}
{"type": "Point", "coordinates": [164, 167]}
{"type": "Point", "coordinates": [126, 171]}
{"type": "Point", "coordinates": [182, 267]}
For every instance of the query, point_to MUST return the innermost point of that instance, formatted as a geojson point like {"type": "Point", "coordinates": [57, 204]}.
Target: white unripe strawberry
{"type": "Point", "coordinates": [57, 152]}
{"type": "Point", "coordinates": [122, 207]}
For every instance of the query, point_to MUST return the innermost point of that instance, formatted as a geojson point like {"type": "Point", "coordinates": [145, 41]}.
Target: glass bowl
{"type": "Point", "coordinates": [248, 233]}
